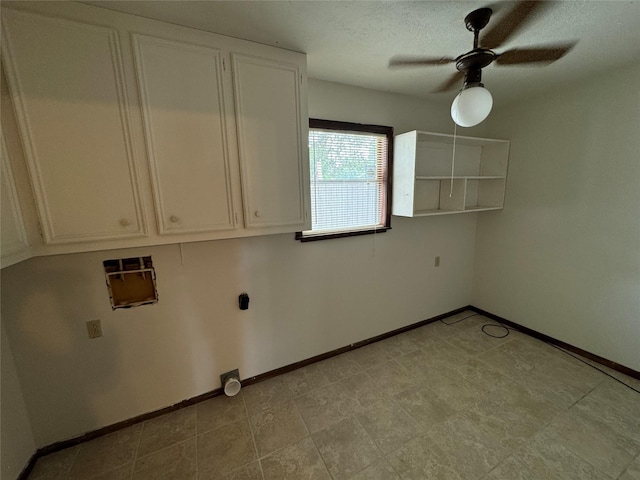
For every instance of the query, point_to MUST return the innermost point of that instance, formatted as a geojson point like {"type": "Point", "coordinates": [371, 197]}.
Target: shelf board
{"type": "Point", "coordinates": [424, 213]}
{"type": "Point", "coordinates": [428, 138]}
{"type": "Point", "coordinates": [468, 177]}
{"type": "Point", "coordinates": [481, 208]}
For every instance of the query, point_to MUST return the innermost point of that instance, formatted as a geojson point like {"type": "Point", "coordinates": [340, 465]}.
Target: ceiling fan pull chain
{"type": "Point", "coordinates": [453, 157]}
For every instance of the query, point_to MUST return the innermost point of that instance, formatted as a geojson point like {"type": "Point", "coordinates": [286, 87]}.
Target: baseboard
{"type": "Point", "coordinates": [26, 471]}
{"type": "Point", "coordinates": [559, 343]}
{"type": "Point", "coordinates": [55, 447]}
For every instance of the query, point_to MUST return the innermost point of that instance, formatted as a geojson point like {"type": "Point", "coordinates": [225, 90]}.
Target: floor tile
{"type": "Point", "coordinates": [391, 377]}
{"type": "Point", "coordinates": [633, 471]}
{"type": "Point", "coordinates": [219, 411]}
{"type": "Point", "coordinates": [424, 406]}
{"type": "Point", "coordinates": [626, 379]}
{"type": "Point", "coordinates": [618, 396]}
{"type": "Point", "coordinates": [298, 461]}
{"type": "Point", "coordinates": [399, 345]}
{"type": "Point", "coordinates": [487, 378]}
{"type": "Point", "coordinates": [556, 365]}
{"type": "Point", "coordinates": [339, 367]}
{"type": "Point", "coordinates": [251, 471]}
{"type": "Point", "coordinates": [266, 394]}
{"type": "Point", "coordinates": [177, 462]}
{"type": "Point", "coordinates": [512, 426]}
{"type": "Point", "coordinates": [363, 389]}
{"type": "Point", "coordinates": [55, 466]}
{"type": "Point", "coordinates": [166, 430]}
{"type": "Point", "coordinates": [304, 380]}
{"type": "Point", "coordinates": [510, 469]}
{"type": "Point", "coordinates": [542, 383]}
{"type": "Point", "coordinates": [346, 448]}
{"type": "Point", "coordinates": [225, 449]}
{"type": "Point", "coordinates": [326, 406]}
{"type": "Point", "coordinates": [610, 415]}
{"type": "Point", "coordinates": [419, 365]}
{"type": "Point", "coordinates": [388, 425]}
{"type": "Point", "coordinates": [608, 451]}
{"type": "Point", "coordinates": [120, 473]}
{"type": "Point", "coordinates": [422, 458]}
{"type": "Point", "coordinates": [452, 387]}
{"type": "Point", "coordinates": [421, 336]}
{"type": "Point", "coordinates": [546, 457]}
{"type": "Point", "coordinates": [276, 428]}
{"type": "Point", "coordinates": [442, 353]}
{"type": "Point", "coordinates": [470, 450]}
{"type": "Point", "coordinates": [106, 453]}
{"type": "Point", "coordinates": [371, 355]}
{"type": "Point", "coordinates": [378, 471]}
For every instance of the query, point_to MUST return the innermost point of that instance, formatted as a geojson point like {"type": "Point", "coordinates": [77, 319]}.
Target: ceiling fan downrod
{"type": "Point", "coordinates": [476, 21]}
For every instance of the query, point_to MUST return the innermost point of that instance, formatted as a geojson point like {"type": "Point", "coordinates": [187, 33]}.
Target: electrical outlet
{"type": "Point", "coordinates": [436, 262]}
{"type": "Point", "coordinates": [94, 329]}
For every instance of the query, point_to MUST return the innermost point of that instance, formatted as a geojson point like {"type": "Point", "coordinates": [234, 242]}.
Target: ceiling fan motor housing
{"type": "Point", "coordinates": [475, 59]}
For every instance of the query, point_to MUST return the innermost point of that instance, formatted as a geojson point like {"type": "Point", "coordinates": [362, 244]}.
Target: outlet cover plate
{"type": "Point", "coordinates": [94, 328]}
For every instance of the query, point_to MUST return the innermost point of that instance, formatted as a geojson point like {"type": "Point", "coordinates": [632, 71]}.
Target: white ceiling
{"type": "Point", "coordinates": [351, 42]}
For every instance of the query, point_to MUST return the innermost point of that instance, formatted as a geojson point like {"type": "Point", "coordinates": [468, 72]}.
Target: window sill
{"type": "Point", "coordinates": [351, 233]}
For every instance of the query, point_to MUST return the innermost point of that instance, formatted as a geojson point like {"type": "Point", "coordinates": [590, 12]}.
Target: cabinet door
{"type": "Point", "coordinates": [185, 125]}
{"type": "Point", "coordinates": [14, 246]}
{"type": "Point", "coordinates": [67, 82]}
{"type": "Point", "coordinates": [272, 141]}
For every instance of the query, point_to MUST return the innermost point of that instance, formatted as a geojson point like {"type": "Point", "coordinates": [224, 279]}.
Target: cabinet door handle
{"type": "Point", "coordinates": [173, 219]}
{"type": "Point", "coordinates": [124, 222]}
{"type": "Point", "coordinates": [257, 213]}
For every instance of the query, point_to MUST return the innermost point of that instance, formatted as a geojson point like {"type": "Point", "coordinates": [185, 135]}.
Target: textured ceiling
{"type": "Point", "coordinates": [351, 42]}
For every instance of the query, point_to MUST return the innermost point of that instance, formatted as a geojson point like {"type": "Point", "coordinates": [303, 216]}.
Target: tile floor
{"type": "Point", "coordinates": [439, 402]}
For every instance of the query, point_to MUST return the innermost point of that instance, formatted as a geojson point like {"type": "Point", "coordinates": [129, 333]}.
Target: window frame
{"type": "Point", "coordinates": [316, 123]}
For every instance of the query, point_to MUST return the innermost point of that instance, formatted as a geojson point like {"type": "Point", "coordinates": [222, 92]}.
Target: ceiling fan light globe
{"type": "Point", "coordinates": [471, 106]}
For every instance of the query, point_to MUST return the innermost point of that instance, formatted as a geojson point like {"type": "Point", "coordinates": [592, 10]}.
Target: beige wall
{"type": "Point", "coordinates": [563, 257]}
{"type": "Point", "coordinates": [16, 439]}
{"type": "Point", "coordinates": [306, 299]}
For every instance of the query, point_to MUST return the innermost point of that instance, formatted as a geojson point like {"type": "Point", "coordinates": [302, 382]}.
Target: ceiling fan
{"type": "Point", "coordinates": [474, 102]}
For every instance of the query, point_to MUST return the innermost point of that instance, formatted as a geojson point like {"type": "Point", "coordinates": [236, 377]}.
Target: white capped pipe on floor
{"type": "Point", "coordinates": [231, 386]}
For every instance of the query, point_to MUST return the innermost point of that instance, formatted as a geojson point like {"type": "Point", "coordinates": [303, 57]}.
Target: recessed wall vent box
{"type": "Point", "coordinates": [131, 282]}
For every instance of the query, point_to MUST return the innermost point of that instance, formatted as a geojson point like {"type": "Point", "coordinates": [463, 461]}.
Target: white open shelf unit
{"type": "Point", "coordinates": [422, 180]}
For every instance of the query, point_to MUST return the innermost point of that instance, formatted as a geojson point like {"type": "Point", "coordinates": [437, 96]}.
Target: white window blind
{"type": "Point", "coordinates": [348, 180]}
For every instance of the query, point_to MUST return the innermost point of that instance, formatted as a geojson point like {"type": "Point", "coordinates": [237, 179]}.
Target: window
{"type": "Point", "coordinates": [350, 187]}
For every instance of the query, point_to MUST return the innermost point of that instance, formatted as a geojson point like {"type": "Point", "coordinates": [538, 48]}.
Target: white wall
{"type": "Point", "coordinates": [306, 299]}
{"type": "Point", "coordinates": [16, 439]}
{"type": "Point", "coordinates": [563, 257]}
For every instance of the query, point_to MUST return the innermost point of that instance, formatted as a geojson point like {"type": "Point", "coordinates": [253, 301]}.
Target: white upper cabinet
{"type": "Point", "coordinates": [270, 137]}
{"type": "Point", "coordinates": [185, 126]}
{"type": "Point", "coordinates": [67, 82]}
{"type": "Point", "coordinates": [14, 246]}
{"type": "Point", "coordinates": [138, 132]}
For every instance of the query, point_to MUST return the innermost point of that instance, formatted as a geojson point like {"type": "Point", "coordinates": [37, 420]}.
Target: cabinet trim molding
{"type": "Point", "coordinates": [18, 249]}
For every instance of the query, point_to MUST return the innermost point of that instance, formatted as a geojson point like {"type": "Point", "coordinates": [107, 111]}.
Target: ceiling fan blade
{"type": "Point", "coordinates": [533, 55]}
{"type": "Point", "coordinates": [511, 22]}
{"type": "Point", "coordinates": [450, 84]}
{"type": "Point", "coordinates": [399, 62]}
